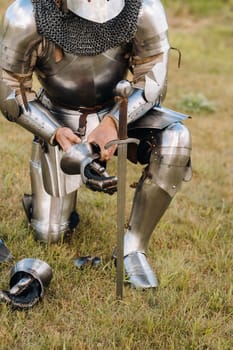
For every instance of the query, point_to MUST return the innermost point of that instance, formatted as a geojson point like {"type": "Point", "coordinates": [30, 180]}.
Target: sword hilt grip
{"type": "Point", "coordinates": [123, 107]}
{"type": "Point", "coordinates": [123, 90]}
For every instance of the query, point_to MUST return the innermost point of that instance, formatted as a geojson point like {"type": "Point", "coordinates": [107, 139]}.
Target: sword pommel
{"type": "Point", "coordinates": [123, 88]}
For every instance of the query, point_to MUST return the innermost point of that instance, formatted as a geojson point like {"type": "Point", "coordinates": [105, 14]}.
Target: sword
{"type": "Point", "coordinates": [123, 90]}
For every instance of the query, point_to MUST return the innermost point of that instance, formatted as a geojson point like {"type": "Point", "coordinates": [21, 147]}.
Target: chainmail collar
{"type": "Point", "coordinates": [81, 37]}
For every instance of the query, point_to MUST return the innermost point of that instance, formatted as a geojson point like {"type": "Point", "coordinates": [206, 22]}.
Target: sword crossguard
{"type": "Point", "coordinates": [121, 142]}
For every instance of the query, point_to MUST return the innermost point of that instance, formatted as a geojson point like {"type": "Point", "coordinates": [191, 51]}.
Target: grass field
{"type": "Point", "coordinates": [191, 249]}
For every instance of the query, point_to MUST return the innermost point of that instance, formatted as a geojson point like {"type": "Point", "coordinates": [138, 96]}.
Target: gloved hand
{"type": "Point", "coordinates": [97, 179]}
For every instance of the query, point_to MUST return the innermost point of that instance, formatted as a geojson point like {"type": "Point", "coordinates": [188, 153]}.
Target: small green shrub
{"type": "Point", "coordinates": [196, 103]}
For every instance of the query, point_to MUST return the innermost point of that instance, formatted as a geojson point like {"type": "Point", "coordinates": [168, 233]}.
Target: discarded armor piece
{"type": "Point", "coordinates": [96, 178]}
{"type": "Point", "coordinates": [27, 281]}
{"type": "Point", "coordinates": [84, 261]}
{"type": "Point", "coordinates": [5, 254]}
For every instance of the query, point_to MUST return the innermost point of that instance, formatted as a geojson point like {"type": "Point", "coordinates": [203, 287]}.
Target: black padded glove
{"type": "Point", "coordinates": [96, 178]}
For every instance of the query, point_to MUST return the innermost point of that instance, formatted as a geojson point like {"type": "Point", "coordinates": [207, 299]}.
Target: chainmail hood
{"type": "Point", "coordinates": [82, 37]}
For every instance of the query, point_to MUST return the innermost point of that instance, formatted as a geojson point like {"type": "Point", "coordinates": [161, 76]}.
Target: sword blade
{"type": "Point", "coordinates": [121, 198]}
{"type": "Point", "coordinates": [123, 90]}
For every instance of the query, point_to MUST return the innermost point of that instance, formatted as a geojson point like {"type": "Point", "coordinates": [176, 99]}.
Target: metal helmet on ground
{"type": "Point", "coordinates": [28, 277]}
{"type": "Point", "coordinates": [99, 11]}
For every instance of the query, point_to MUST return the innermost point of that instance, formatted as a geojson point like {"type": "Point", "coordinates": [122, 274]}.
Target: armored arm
{"type": "Point", "coordinates": [149, 61]}
{"type": "Point", "coordinates": [30, 114]}
{"type": "Point", "coordinates": [20, 45]}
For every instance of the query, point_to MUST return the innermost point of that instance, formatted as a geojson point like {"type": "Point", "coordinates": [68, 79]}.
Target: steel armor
{"type": "Point", "coordinates": [79, 72]}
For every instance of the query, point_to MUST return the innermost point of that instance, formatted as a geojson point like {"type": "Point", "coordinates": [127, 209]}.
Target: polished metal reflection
{"type": "Point", "coordinates": [37, 268]}
{"type": "Point", "coordinates": [5, 254]}
{"type": "Point", "coordinates": [99, 11]}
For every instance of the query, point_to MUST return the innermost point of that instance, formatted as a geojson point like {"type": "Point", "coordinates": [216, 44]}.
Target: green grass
{"type": "Point", "coordinates": [199, 8]}
{"type": "Point", "coordinates": [191, 249]}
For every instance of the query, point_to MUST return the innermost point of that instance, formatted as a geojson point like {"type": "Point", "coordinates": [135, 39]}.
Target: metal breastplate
{"type": "Point", "coordinates": [80, 80]}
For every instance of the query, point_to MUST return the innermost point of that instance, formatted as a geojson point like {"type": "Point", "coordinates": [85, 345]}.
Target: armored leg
{"type": "Point", "coordinates": [168, 164]}
{"type": "Point", "coordinates": [49, 216]}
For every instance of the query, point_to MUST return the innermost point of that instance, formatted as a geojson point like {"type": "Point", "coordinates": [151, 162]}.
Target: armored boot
{"type": "Point", "coordinates": [168, 167]}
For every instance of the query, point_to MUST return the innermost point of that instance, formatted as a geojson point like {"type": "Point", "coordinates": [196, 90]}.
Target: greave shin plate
{"type": "Point", "coordinates": [159, 183]}
{"type": "Point", "coordinates": [150, 203]}
{"type": "Point", "coordinates": [51, 216]}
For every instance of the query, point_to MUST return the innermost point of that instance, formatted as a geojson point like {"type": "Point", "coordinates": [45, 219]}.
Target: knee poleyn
{"type": "Point", "coordinates": [170, 161]}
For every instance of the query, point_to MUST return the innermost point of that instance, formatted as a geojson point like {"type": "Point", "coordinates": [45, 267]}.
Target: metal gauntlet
{"type": "Point", "coordinates": [83, 159]}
